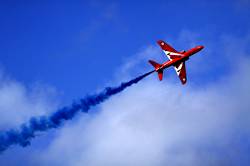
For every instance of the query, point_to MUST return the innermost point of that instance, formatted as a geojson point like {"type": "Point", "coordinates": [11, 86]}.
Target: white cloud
{"type": "Point", "coordinates": [159, 124]}
{"type": "Point", "coordinates": [18, 103]}
{"type": "Point", "coordinates": [162, 123]}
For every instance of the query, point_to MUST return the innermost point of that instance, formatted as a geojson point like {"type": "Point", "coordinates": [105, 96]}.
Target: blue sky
{"type": "Point", "coordinates": [54, 52]}
{"type": "Point", "coordinates": [76, 47]}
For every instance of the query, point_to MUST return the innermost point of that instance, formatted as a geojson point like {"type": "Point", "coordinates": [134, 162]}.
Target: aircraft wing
{"type": "Point", "coordinates": [170, 52]}
{"type": "Point", "coordinates": [180, 69]}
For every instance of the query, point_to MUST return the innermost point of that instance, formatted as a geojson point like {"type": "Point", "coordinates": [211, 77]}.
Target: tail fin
{"type": "Point", "coordinates": [156, 66]}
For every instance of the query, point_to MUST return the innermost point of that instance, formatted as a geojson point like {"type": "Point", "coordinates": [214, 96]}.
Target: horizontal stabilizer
{"type": "Point", "coordinates": [155, 64]}
{"type": "Point", "coordinates": [160, 74]}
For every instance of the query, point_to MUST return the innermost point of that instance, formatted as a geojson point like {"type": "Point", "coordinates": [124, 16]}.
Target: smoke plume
{"type": "Point", "coordinates": [27, 131]}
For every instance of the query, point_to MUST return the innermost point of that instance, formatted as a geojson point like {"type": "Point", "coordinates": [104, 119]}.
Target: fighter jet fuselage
{"type": "Point", "coordinates": [176, 59]}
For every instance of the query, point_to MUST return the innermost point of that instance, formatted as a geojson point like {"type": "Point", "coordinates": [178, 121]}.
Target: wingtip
{"type": "Point", "coordinates": [160, 42]}
{"type": "Point", "coordinates": [184, 81]}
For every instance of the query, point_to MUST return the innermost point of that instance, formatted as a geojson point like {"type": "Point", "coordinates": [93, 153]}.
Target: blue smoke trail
{"type": "Point", "coordinates": [27, 131]}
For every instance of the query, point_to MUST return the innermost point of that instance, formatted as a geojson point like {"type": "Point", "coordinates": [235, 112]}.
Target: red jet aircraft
{"type": "Point", "coordinates": [176, 59]}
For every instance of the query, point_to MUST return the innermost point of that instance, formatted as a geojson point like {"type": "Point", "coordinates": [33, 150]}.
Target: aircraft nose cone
{"type": "Point", "coordinates": [200, 47]}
